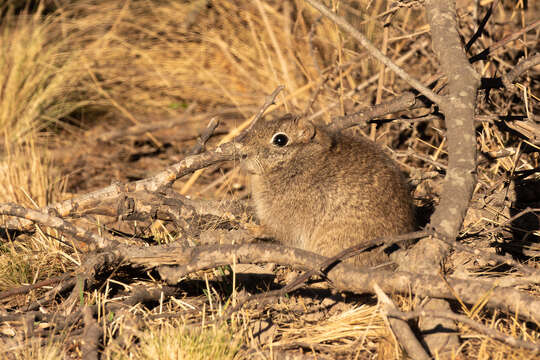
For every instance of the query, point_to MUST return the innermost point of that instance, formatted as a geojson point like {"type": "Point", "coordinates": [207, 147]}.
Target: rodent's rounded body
{"type": "Point", "coordinates": [323, 191]}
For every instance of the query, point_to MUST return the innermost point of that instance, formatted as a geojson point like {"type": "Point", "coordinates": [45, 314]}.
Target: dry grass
{"type": "Point", "coordinates": [149, 58]}
{"type": "Point", "coordinates": [152, 59]}
{"type": "Point", "coordinates": [353, 330]}
{"type": "Point", "coordinates": [51, 350]}
{"type": "Point", "coordinates": [173, 340]}
{"type": "Point", "coordinates": [40, 76]}
{"type": "Point", "coordinates": [34, 258]}
{"type": "Point", "coordinates": [135, 61]}
{"type": "Point", "coordinates": [39, 72]}
{"type": "Point", "coordinates": [30, 177]}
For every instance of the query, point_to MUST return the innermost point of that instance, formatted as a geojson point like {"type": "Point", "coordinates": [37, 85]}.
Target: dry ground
{"type": "Point", "coordinates": [75, 72]}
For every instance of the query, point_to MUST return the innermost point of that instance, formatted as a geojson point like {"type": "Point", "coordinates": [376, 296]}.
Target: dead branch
{"type": "Point", "coordinates": [527, 129]}
{"type": "Point", "coordinates": [91, 336]}
{"type": "Point", "coordinates": [458, 107]}
{"type": "Point", "coordinates": [484, 54]}
{"type": "Point", "coordinates": [204, 136]}
{"type": "Point", "coordinates": [533, 272]}
{"type": "Point", "coordinates": [27, 288]}
{"type": "Point", "coordinates": [51, 294]}
{"type": "Point", "coordinates": [85, 240]}
{"type": "Point", "coordinates": [403, 102]}
{"type": "Point", "coordinates": [344, 277]}
{"type": "Point", "coordinates": [166, 205]}
{"type": "Point", "coordinates": [268, 101]}
{"type": "Point", "coordinates": [523, 65]}
{"type": "Point", "coordinates": [164, 179]}
{"type": "Point", "coordinates": [319, 270]}
{"type": "Point", "coordinates": [416, 47]}
{"type": "Point", "coordinates": [226, 209]}
{"type": "Point", "coordinates": [513, 218]}
{"type": "Point", "coordinates": [400, 328]}
{"type": "Point", "coordinates": [343, 24]}
{"type": "Point", "coordinates": [492, 333]}
{"type": "Point", "coordinates": [153, 198]}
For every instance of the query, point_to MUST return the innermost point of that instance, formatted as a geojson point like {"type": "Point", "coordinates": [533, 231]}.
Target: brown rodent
{"type": "Point", "coordinates": [323, 191]}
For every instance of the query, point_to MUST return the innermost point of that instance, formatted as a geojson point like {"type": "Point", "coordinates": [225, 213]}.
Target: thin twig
{"type": "Point", "coordinates": [481, 26]}
{"type": "Point", "coordinates": [512, 219]}
{"type": "Point", "coordinates": [312, 48]}
{"type": "Point", "coordinates": [268, 101]}
{"type": "Point", "coordinates": [401, 60]}
{"type": "Point", "coordinates": [403, 102]}
{"type": "Point", "coordinates": [523, 65]}
{"type": "Point", "coordinates": [343, 24]}
{"type": "Point", "coordinates": [315, 95]}
{"type": "Point", "coordinates": [492, 333]}
{"type": "Point", "coordinates": [86, 240]}
{"type": "Point", "coordinates": [204, 136]}
{"type": "Point", "coordinates": [400, 328]}
{"type": "Point", "coordinates": [27, 288]}
{"type": "Point", "coordinates": [324, 267]}
{"type": "Point", "coordinates": [197, 149]}
{"type": "Point", "coordinates": [498, 258]}
{"type": "Point", "coordinates": [483, 55]}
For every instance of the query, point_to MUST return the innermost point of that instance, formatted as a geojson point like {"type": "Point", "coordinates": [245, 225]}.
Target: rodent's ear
{"type": "Point", "coordinates": [306, 130]}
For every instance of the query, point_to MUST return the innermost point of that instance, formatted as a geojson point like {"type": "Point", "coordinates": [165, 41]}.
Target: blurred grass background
{"type": "Point", "coordinates": [68, 63]}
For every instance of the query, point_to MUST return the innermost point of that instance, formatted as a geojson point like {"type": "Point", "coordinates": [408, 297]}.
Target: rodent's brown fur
{"type": "Point", "coordinates": [324, 191]}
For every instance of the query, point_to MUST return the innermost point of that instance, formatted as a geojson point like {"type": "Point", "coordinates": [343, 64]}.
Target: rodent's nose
{"type": "Point", "coordinates": [243, 150]}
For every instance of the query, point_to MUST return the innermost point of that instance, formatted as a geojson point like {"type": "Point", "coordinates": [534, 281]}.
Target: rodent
{"type": "Point", "coordinates": [323, 191]}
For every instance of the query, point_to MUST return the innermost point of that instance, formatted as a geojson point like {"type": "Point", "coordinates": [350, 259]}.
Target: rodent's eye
{"type": "Point", "coordinates": [280, 139]}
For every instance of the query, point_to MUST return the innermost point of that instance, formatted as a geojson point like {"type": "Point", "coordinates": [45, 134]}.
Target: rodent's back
{"type": "Point", "coordinates": [327, 192]}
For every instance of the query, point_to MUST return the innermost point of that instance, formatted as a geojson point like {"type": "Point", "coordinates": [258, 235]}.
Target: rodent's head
{"type": "Point", "coordinates": [279, 143]}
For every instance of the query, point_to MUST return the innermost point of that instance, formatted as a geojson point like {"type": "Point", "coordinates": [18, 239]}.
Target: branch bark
{"type": "Point", "coordinates": [404, 102]}
{"type": "Point", "coordinates": [523, 65]}
{"type": "Point", "coordinates": [458, 108]}
{"type": "Point", "coordinates": [344, 277]}
{"type": "Point", "coordinates": [492, 333]}
{"type": "Point", "coordinates": [113, 192]}
{"type": "Point", "coordinates": [401, 329]}
{"type": "Point", "coordinates": [91, 336]}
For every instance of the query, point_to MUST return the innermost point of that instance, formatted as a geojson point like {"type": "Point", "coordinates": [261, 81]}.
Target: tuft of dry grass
{"type": "Point", "coordinates": [30, 178]}
{"type": "Point", "coordinates": [173, 340]}
{"type": "Point", "coordinates": [40, 83]}
{"type": "Point", "coordinates": [52, 349]}
{"type": "Point", "coordinates": [34, 258]}
{"type": "Point", "coordinates": [149, 58]}
{"type": "Point", "coordinates": [39, 73]}
{"type": "Point", "coordinates": [349, 331]}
